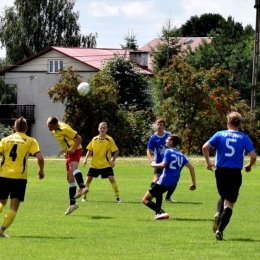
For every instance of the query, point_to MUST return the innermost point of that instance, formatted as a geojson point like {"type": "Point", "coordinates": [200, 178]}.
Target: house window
{"type": "Point", "coordinates": [54, 65]}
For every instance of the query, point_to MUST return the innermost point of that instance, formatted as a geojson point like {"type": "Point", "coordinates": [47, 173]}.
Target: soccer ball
{"type": "Point", "coordinates": [83, 89]}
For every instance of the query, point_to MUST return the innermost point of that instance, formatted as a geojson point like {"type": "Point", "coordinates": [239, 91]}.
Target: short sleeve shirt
{"type": "Point", "coordinates": [65, 136]}
{"type": "Point", "coordinates": [102, 150]}
{"type": "Point", "coordinates": [16, 149]}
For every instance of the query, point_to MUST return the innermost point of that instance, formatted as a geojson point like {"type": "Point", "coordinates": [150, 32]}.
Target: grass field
{"type": "Point", "coordinates": [103, 229]}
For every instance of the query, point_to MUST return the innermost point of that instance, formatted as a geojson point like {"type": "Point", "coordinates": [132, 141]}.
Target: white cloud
{"type": "Point", "coordinates": [99, 9]}
{"type": "Point", "coordinates": [137, 9]}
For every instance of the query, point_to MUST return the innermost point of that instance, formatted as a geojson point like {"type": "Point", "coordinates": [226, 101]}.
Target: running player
{"type": "Point", "coordinates": [15, 149]}
{"type": "Point", "coordinates": [230, 147]}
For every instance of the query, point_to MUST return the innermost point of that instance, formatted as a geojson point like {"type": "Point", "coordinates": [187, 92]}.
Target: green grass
{"type": "Point", "coordinates": [103, 229]}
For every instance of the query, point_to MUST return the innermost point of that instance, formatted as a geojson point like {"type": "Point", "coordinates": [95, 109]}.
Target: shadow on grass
{"type": "Point", "coordinates": [243, 240]}
{"type": "Point", "coordinates": [44, 237]}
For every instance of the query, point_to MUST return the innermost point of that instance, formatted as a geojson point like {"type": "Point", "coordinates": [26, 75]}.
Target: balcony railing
{"type": "Point", "coordinates": [9, 113]}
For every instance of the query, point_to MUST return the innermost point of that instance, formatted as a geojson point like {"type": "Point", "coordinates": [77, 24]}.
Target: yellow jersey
{"type": "Point", "coordinates": [65, 136]}
{"type": "Point", "coordinates": [102, 150]}
{"type": "Point", "coordinates": [15, 150]}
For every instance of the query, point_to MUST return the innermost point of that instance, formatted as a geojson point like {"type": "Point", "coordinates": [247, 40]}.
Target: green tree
{"type": "Point", "coordinates": [232, 47]}
{"type": "Point", "coordinates": [29, 27]}
{"type": "Point", "coordinates": [8, 93]}
{"type": "Point", "coordinates": [130, 42]}
{"type": "Point", "coordinates": [130, 129]}
{"type": "Point", "coordinates": [200, 26]}
{"type": "Point", "coordinates": [132, 83]}
{"type": "Point", "coordinates": [197, 102]}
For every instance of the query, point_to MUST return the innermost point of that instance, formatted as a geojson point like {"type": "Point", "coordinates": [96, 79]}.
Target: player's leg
{"type": "Point", "coordinates": [17, 189]}
{"type": "Point", "coordinates": [72, 191]}
{"type": "Point", "coordinates": [219, 210]}
{"type": "Point", "coordinates": [112, 180]}
{"type": "Point", "coordinates": [155, 191]}
{"type": "Point", "coordinates": [73, 161]}
{"type": "Point", "coordinates": [87, 184]}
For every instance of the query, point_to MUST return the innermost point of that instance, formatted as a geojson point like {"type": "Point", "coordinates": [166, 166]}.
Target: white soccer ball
{"type": "Point", "coordinates": [83, 89]}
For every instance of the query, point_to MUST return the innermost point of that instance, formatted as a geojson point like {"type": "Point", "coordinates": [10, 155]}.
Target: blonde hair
{"type": "Point", "coordinates": [235, 119]}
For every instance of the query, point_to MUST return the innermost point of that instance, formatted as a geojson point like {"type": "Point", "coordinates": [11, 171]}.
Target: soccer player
{"type": "Point", "coordinates": [230, 147]}
{"type": "Point", "coordinates": [104, 153]}
{"type": "Point", "coordinates": [157, 146]}
{"type": "Point", "coordinates": [15, 149]}
{"type": "Point", "coordinates": [172, 164]}
{"type": "Point", "coordinates": [70, 143]}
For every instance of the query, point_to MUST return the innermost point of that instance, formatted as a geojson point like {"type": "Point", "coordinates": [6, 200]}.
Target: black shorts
{"type": "Point", "coordinates": [105, 172]}
{"type": "Point", "coordinates": [14, 187]}
{"type": "Point", "coordinates": [158, 171]}
{"type": "Point", "coordinates": [228, 183]}
{"type": "Point", "coordinates": [157, 190]}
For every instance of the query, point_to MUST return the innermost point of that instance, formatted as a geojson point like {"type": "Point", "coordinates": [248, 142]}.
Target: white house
{"type": "Point", "coordinates": [36, 74]}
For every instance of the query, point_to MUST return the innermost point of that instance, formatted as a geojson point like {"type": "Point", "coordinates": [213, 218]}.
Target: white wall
{"type": "Point", "coordinates": [34, 92]}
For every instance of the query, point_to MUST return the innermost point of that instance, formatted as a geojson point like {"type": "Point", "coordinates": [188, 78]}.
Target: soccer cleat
{"type": "Point", "coordinates": [80, 192]}
{"type": "Point", "coordinates": [71, 208]}
{"type": "Point", "coordinates": [219, 235]}
{"type": "Point", "coordinates": [3, 235]}
{"type": "Point", "coordinates": [84, 199]}
{"type": "Point", "coordinates": [215, 222]}
{"type": "Point", "coordinates": [170, 200]}
{"type": "Point", "coordinates": [118, 200]}
{"type": "Point", "coordinates": [160, 216]}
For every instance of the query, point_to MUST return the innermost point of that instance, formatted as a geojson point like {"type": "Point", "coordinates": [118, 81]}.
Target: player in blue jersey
{"type": "Point", "coordinates": [155, 150]}
{"type": "Point", "coordinates": [172, 163]}
{"type": "Point", "coordinates": [230, 146]}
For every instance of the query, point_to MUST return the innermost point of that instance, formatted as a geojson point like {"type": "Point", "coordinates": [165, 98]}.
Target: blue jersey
{"type": "Point", "coordinates": [171, 174]}
{"type": "Point", "coordinates": [230, 148]}
{"type": "Point", "coordinates": [157, 144]}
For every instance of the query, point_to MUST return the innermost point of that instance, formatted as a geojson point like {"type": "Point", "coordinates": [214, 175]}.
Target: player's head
{"type": "Point", "coordinates": [234, 119]}
{"type": "Point", "coordinates": [20, 125]}
{"type": "Point", "coordinates": [160, 124]}
{"type": "Point", "coordinates": [172, 140]}
{"type": "Point", "coordinates": [102, 128]}
{"type": "Point", "coordinates": [52, 123]}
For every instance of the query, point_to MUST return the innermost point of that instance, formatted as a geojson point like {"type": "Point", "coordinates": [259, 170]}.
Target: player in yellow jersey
{"type": "Point", "coordinates": [70, 143]}
{"type": "Point", "coordinates": [15, 150]}
{"type": "Point", "coordinates": [104, 152]}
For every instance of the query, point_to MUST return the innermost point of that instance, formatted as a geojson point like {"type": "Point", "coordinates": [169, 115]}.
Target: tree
{"type": "Point", "coordinates": [130, 129]}
{"type": "Point", "coordinates": [200, 26]}
{"type": "Point", "coordinates": [197, 101]}
{"type": "Point", "coordinates": [132, 83]}
{"type": "Point", "coordinates": [29, 27]}
{"type": "Point", "coordinates": [130, 42]}
{"type": "Point", "coordinates": [8, 93]}
{"type": "Point", "coordinates": [232, 47]}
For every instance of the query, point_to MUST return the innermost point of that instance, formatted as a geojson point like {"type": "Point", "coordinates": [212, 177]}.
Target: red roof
{"type": "Point", "coordinates": [196, 41]}
{"type": "Point", "coordinates": [93, 57]}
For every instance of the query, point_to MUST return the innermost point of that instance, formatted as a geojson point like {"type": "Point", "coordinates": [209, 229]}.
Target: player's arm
{"type": "Point", "coordinates": [113, 159]}
{"type": "Point", "coordinates": [192, 174]}
{"type": "Point", "coordinates": [251, 162]}
{"type": "Point", "coordinates": [150, 155]}
{"type": "Point", "coordinates": [78, 141]}
{"type": "Point", "coordinates": [86, 157]}
{"type": "Point", "coordinates": [205, 150]}
{"type": "Point", "coordinates": [40, 159]}
{"type": "Point", "coordinates": [161, 165]}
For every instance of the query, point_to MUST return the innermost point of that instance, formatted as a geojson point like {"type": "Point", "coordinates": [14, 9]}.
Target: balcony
{"type": "Point", "coordinates": [9, 113]}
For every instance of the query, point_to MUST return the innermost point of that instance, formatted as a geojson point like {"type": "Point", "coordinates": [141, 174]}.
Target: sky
{"type": "Point", "coordinates": [113, 20]}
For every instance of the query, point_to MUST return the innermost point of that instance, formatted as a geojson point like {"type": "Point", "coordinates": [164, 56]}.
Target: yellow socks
{"type": "Point", "coordinates": [8, 220]}
{"type": "Point", "coordinates": [115, 188]}
{"type": "Point", "coordinates": [1, 207]}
